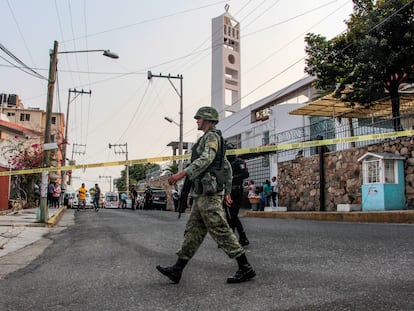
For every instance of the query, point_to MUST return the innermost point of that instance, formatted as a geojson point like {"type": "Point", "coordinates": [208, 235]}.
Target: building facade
{"type": "Point", "coordinates": [225, 64]}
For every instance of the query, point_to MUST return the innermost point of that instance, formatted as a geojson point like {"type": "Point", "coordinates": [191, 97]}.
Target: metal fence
{"type": "Point", "coordinates": [335, 128]}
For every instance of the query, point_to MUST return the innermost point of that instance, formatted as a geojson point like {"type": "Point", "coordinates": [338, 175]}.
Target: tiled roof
{"type": "Point", "coordinates": [17, 129]}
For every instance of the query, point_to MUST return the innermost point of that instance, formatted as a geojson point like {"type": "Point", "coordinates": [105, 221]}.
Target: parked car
{"type": "Point", "coordinates": [111, 200]}
{"type": "Point", "coordinates": [88, 201]}
{"type": "Point", "coordinates": [68, 198]}
{"type": "Point", "coordinates": [159, 198]}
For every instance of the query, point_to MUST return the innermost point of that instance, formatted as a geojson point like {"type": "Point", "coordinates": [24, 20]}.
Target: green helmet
{"type": "Point", "coordinates": [207, 113]}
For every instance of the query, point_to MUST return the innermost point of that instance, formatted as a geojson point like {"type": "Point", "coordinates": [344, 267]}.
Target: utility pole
{"type": "Point", "coordinates": [180, 94]}
{"type": "Point", "coordinates": [76, 150]}
{"type": "Point", "coordinates": [119, 149]}
{"type": "Point", "coordinates": [48, 144]}
{"type": "Point", "coordinates": [110, 181]}
{"type": "Point", "coordinates": [44, 211]}
{"type": "Point", "coordinates": [77, 93]}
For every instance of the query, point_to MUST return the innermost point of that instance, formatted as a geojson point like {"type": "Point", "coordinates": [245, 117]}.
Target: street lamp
{"type": "Point", "coordinates": [48, 121]}
{"type": "Point", "coordinates": [180, 94]}
{"type": "Point", "coordinates": [171, 121]}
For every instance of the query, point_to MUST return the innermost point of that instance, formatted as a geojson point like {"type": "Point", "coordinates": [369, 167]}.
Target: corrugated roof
{"type": "Point", "coordinates": [328, 106]}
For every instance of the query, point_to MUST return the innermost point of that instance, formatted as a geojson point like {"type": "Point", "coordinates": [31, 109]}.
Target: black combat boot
{"type": "Point", "coordinates": [173, 272]}
{"type": "Point", "coordinates": [243, 239]}
{"type": "Point", "coordinates": [244, 273]}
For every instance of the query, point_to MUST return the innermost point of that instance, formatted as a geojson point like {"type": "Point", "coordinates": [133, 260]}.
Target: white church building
{"type": "Point", "coordinates": [262, 122]}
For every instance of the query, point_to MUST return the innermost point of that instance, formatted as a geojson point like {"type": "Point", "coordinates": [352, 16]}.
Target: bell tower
{"type": "Point", "coordinates": [225, 76]}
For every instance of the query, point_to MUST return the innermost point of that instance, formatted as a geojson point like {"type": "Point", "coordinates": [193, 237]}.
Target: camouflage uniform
{"type": "Point", "coordinates": [207, 213]}
{"type": "Point", "coordinates": [210, 175]}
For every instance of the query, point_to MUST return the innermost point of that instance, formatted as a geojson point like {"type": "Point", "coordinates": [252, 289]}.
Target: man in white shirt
{"type": "Point", "coordinates": [273, 184]}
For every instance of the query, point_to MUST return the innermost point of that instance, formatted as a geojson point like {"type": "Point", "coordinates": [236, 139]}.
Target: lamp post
{"type": "Point", "coordinates": [180, 94]}
{"type": "Point", "coordinates": [172, 121]}
{"type": "Point", "coordinates": [121, 150]}
{"type": "Point", "coordinates": [48, 121]}
{"type": "Point", "coordinates": [110, 181]}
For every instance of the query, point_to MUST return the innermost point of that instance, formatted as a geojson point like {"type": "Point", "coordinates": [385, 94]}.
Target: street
{"type": "Point", "coordinates": [106, 261]}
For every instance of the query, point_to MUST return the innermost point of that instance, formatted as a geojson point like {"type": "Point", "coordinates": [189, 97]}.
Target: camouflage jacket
{"type": "Point", "coordinates": [207, 146]}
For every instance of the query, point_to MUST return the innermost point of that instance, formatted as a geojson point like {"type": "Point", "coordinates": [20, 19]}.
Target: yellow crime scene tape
{"type": "Point", "coordinates": [262, 149]}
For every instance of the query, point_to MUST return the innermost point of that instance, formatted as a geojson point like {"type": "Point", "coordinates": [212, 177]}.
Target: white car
{"type": "Point", "coordinates": [89, 200]}
{"type": "Point", "coordinates": [111, 200]}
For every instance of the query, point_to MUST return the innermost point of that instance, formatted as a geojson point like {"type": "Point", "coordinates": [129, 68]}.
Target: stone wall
{"type": "Point", "coordinates": [299, 179]}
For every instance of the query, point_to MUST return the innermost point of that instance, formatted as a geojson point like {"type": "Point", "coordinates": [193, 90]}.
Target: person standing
{"type": "Point", "coordinates": [56, 196]}
{"type": "Point", "coordinates": [96, 197]}
{"type": "Point", "coordinates": [206, 173]}
{"type": "Point", "coordinates": [175, 196]}
{"type": "Point", "coordinates": [82, 196]}
{"type": "Point", "coordinates": [252, 189]}
{"type": "Point", "coordinates": [240, 172]}
{"type": "Point", "coordinates": [148, 198]}
{"type": "Point", "coordinates": [134, 196]}
{"type": "Point", "coordinates": [273, 184]}
{"type": "Point", "coordinates": [267, 189]}
{"type": "Point", "coordinates": [50, 192]}
{"type": "Point", "coordinates": [123, 200]}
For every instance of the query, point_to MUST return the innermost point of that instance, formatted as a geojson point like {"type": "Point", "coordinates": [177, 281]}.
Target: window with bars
{"type": "Point", "coordinates": [379, 171]}
{"type": "Point", "coordinates": [372, 172]}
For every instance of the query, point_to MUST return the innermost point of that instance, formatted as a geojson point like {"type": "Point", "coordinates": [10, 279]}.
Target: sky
{"type": "Point", "coordinates": [164, 36]}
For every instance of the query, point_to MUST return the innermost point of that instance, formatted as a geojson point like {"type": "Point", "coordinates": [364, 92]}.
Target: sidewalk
{"type": "Point", "coordinates": [398, 216]}
{"type": "Point", "coordinates": [21, 228]}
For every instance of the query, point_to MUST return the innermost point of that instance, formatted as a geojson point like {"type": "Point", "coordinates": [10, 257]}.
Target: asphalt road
{"type": "Point", "coordinates": [106, 261]}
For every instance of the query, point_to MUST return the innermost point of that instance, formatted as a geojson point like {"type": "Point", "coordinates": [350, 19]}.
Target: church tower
{"type": "Point", "coordinates": [225, 76]}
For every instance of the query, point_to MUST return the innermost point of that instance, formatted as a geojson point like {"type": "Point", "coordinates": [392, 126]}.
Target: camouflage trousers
{"type": "Point", "coordinates": [207, 215]}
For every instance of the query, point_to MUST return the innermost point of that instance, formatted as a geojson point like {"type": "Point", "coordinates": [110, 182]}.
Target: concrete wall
{"type": "Point", "coordinates": [299, 179]}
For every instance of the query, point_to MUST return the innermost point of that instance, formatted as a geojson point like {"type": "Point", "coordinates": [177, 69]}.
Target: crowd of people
{"type": "Point", "coordinates": [265, 195]}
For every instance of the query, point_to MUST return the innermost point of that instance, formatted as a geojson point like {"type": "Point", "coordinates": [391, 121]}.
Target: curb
{"type": "Point", "coordinates": [403, 216]}
{"type": "Point", "coordinates": [52, 221]}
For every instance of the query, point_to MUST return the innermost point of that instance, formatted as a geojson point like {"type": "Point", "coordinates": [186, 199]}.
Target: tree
{"type": "Point", "coordinates": [372, 60]}
{"type": "Point", "coordinates": [22, 155]}
{"type": "Point", "coordinates": [173, 168]}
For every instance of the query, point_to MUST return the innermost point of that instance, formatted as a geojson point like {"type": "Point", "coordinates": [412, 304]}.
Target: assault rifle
{"type": "Point", "coordinates": [182, 201]}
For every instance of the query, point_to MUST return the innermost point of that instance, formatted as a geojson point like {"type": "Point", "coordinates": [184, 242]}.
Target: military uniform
{"type": "Point", "coordinates": [240, 173]}
{"type": "Point", "coordinates": [210, 176]}
{"type": "Point", "coordinates": [207, 213]}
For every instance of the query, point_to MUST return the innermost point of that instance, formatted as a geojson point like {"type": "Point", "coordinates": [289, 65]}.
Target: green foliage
{"type": "Point", "coordinates": [20, 155]}
{"type": "Point", "coordinates": [372, 59]}
{"type": "Point", "coordinates": [173, 167]}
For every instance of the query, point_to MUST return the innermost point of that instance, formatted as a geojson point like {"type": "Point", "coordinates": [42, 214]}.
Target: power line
{"type": "Point", "coordinates": [17, 60]}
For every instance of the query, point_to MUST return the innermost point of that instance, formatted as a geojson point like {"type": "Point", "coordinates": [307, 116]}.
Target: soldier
{"type": "Point", "coordinates": [240, 172]}
{"type": "Point", "coordinates": [206, 172]}
{"type": "Point", "coordinates": [96, 197]}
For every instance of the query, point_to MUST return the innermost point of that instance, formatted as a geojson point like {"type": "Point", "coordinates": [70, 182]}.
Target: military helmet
{"type": "Point", "coordinates": [207, 113]}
